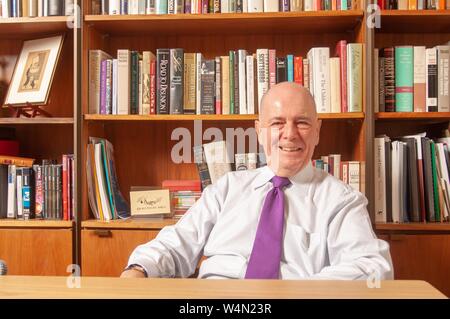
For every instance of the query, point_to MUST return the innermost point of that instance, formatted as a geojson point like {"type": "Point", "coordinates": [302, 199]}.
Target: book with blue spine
{"type": "Point", "coordinates": [290, 67]}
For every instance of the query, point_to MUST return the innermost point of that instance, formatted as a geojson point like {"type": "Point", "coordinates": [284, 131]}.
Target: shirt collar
{"type": "Point", "coordinates": [300, 181]}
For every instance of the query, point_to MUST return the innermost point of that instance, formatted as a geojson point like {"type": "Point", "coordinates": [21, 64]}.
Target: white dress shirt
{"type": "Point", "coordinates": [327, 231]}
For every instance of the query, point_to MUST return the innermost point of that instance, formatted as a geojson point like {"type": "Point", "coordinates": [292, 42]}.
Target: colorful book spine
{"type": "Point", "coordinates": [404, 78]}
{"type": "Point", "coordinates": [290, 67]}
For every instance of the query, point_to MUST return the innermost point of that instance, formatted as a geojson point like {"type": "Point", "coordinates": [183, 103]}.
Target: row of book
{"type": "Point", "coordinates": [174, 82]}
{"type": "Point", "coordinates": [41, 191]}
{"type": "Point", "coordinates": [121, 7]}
{"type": "Point", "coordinates": [412, 79]}
{"type": "Point", "coordinates": [412, 181]}
{"type": "Point", "coordinates": [414, 4]}
{"type": "Point", "coordinates": [105, 199]}
{"type": "Point", "coordinates": [36, 8]}
{"type": "Point", "coordinates": [213, 160]}
{"type": "Point", "coordinates": [350, 172]}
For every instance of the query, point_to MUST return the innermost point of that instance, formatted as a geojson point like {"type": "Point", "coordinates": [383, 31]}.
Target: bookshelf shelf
{"type": "Point", "coordinates": [129, 224]}
{"type": "Point", "coordinates": [226, 23]}
{"type": "Point", "coordinates": [412, 116]}
{"type": "Point", "coordinates": [35, 223]}
{"type": "Point", "coordinates": [37, 120]}
{"type": "Point", "coordinates": [413, 226]}
{"type": "Point", "coordinates": [411, 21]}
{"type": "Point", "coordinates": [204, 117]}
{"type": "Point", "coordinates": [26, 27]}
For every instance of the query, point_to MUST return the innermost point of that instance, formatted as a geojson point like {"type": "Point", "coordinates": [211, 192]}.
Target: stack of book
{"type": "Point", "coordinates": [29, 190]}
{"type": "Point", "coordinates": [413, 4]}
{"type": "Point", "coordinates": [36, 8]}
{"type": "Point", "coordinates": [412, 79]}
{"type": "Point", "coordinates": [175, 82]}
{"type": "Point", "coordinates": [412, 181]}
{"type": "Point", "coordinates": [350, 172]}
{"type": "Point", "coordinates": [114, 7]}
{"type": "Point", "coordinates": [105, 199]}
{"type": "Point", "coordinates": [184, 194]}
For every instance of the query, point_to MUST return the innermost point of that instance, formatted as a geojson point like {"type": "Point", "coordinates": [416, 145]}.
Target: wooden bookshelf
{"type": "Point", "coordinates": [40, 247]}
{"type": "Point", "coordinates": [35, 223]}
{"type": "Point", "coordinates": [36, 121]}
{"type": "Point", "coordinates": [412, 116]}
{"type": "Point", "coordinates": [221, 117]}
{"type": "Point", "coordinates": [418, 250]}
{"type": "Point", "coordinates": [238, 23]}
{"type": "Point", "coordinates": [415, 21]}
{"type": "Point", "coordinates": [144, 223]}
{"type": "Point", "coordinates": [413, 227]}
{"type": "Point", "coordinates": [31, 27]}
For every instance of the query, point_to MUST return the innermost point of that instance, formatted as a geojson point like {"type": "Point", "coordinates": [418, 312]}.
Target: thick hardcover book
{"type": "Point", "coordinates": [3, 190]}
{"type": "Point", "coordinates": [290, 68]}
{"type": "Point", "coordinates": [298, 70]}
{"type": "Point", "coordinates": [437, 209]}
{"type": "Point", "coordinates": [218, 85]}
{"type": "Point", "coordinates": [189, 83]}
{"type": "Point", "coordinates": [202, 167]}
{"type": "Point", "coordinates": [262, 69]}
{"type": "Point", "coordinates": [95, 61]}
{"type": "Point", "coordinates": [443, 55]}
{"type": "Point", "coordinates": [281, 75]}
{"type": "Point", "coordinates": [162, 81]}
{"type": "Point", "coordinates": [284, 6]}
{"type": "Point", "coordinates": [419, 79]}
{"type": "Point", "coordinates": [134, 101]}
{"type": "Point", "coordinates": [176, 81]}
{"type": "Point", "coordinates": [39, 192]}
{"type": "Point", "coordinates": [242, 89]}
{"type": "Point", "coordinates": [207, 87]}
{"type": "Point", "coordinates": [389, 79]}
{"type": "Point", "coordinates": [147, 59]}
{"type": "Point", "coordinates": [412, 180]}
{"type": "Point", "coordinates": [237, 77]}
{"type": "Point", "coordinates": [225, 60]}
{"type": "Point", "coordinates": [12, 207]}
{"type": "Point", "coordinates": [354, 77]}
{"type": "Point", "coordinates": [123, 81]}
{"type": "Point", "coordinates": [404, 78]}
{"type": "Point", "coordinates": [428, 177]}
{"type": "Point", "coordinates": [341, 52]}
{"type": "Point", "coordinates": [381, 79]}
{"type": "Point", "coordinates": [432, 80]}
{"type": "Point", "coordinates": [27, 193]}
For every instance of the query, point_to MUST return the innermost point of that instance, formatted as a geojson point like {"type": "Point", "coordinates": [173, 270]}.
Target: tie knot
{"type": "Point", "coordinates": [280, 182]}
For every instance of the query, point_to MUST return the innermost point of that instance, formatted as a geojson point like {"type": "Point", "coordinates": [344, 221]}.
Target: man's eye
{"type": "Point", "coordinates": [276, 123]}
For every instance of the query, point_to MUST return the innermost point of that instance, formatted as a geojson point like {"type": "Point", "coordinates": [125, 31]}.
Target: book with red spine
{"type": "Point", "coordinates": [341, 53]}
{"type": "Point", "coordinates": [298, 70]}
{"type": "Point", "coordinates": [182, 185]}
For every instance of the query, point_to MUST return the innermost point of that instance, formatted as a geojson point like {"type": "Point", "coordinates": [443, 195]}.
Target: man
{"type": "Point", "coordinates": [287, 220]}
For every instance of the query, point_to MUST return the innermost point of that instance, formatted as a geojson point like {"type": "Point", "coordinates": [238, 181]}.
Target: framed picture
{"type": "Point", "coordinates": [33, 74]}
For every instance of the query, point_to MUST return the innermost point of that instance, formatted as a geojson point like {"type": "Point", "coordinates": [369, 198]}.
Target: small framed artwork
{"type": "Point", "coordinates": [33, 74]}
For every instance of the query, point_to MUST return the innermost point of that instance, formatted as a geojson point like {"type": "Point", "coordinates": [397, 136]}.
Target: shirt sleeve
{"type": "Point", "coordinates": [354, 252]}
{"type": "Point", "coordinates": [176, 250]}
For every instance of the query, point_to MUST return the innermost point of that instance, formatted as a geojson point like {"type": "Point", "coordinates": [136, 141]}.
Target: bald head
{"type": "Point", "coordinates": [288, 128]}
{"type": "Point", "coordinates": [288, 93]}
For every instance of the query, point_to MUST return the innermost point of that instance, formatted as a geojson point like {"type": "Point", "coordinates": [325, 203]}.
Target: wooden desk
{"type": "Point", "coordinates": [96, 287]}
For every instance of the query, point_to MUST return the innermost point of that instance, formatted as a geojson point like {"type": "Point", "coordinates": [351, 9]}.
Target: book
{"type": "Point", "coordinates": [354, 76]}
{"type": "Point", "coordinates": [176, 81]}
{"type": "Point", "coordinates": [18, 161]}
{"type": "Point", "coordinates": [419, 79]}
{"type": "Point", "coordinates": [443, 84]}
{"type": "Point", "coordinates": [319, 72]}
{"type": "Point", "coordinates": [404, 78]}
{"type": "Point", "coordinates": [202, 166]}
{"type": "Point", "coordinates": [432, 80]}
{"type": "Point", "coordinates": [162, 81]}
{"type": "Point", "coordinates": [217, 159]}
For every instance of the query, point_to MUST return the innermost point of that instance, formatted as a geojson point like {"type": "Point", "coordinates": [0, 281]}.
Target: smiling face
{"type": "Point", "coordinates": [288, 128]}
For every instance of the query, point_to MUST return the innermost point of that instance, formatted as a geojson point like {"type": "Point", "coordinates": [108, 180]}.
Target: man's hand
{"type": "Point", "coordinates": [132, 273]}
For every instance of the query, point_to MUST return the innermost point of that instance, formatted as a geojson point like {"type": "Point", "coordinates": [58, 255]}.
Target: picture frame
{"type": "Point", "coordinates": [33, 74]}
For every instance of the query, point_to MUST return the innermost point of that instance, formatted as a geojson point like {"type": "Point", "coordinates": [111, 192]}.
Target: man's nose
{"type": "Point", "coordinates": [290, 131]}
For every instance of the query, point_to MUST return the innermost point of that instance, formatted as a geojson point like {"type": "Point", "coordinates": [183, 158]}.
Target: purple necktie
{"type": "Point", "coordinates": [265, 259]}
